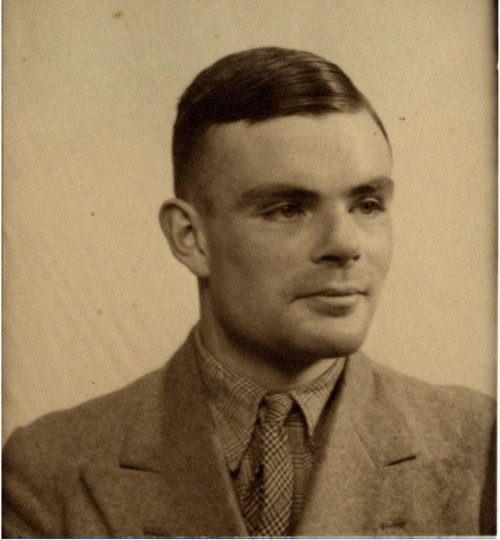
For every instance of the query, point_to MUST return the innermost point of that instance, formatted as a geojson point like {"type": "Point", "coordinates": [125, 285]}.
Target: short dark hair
{"type": "Point", "coordinates": [257, 85]}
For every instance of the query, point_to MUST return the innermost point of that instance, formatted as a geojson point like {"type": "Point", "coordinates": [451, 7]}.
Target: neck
{"type": "Point", "coordinates": [261, 368]}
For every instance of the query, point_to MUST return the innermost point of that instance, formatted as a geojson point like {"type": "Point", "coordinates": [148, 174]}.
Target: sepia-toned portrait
{"type": "Point", "coordinates": [250, 257]}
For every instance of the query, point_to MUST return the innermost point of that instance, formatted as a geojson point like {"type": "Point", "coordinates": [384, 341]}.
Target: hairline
{"type": "Point", "coordinates": [204, 204]}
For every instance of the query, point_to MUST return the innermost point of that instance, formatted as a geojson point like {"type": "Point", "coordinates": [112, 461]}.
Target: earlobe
{"type": "Point", "coordinates": [182, 227]}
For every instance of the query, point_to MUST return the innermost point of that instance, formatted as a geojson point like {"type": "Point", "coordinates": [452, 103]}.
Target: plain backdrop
{"type": "Point", "coordinates": [92, 296]}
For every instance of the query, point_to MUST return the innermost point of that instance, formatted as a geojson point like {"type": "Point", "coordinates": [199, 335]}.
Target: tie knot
{"type": "Point", "coordinates": [277, 408]}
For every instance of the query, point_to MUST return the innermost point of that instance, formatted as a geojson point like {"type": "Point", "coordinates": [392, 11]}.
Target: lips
{"type": "Point", "coordinates": [337, 292]}
{"type": "Point", "coordinates": [335, 301]}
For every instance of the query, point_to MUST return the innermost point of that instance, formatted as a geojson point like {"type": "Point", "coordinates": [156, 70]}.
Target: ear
{"type": "Point", "coordinates": [182, 225]}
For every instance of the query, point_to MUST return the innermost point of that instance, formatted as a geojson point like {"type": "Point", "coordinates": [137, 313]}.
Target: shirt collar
{"type": "Point", "coordinates": [235, 400]}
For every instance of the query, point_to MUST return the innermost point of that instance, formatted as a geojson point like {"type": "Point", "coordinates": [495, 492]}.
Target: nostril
{"type": "Point", "coordinates": [343, 258]}
{"type": "Point", "coordinates": [331, 258]}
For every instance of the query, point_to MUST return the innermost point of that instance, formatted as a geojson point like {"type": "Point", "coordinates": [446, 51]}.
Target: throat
{"type": "Point", "coordinates": [269, 371]}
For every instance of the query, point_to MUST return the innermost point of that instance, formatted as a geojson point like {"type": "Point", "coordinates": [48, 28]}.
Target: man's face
{"type": "Point", "coordinates": [299, 242]}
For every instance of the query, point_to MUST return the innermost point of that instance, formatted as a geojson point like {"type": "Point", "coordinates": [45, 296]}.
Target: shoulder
{"type": "Point", "coordinates": [411, 391]}
{"type": "Point", "coordinates": [453, 413]}
{"type": "Point", "coordinates": [44, 456]}
{"type": "Point", "coordinates": [95, 428]}
{"type": "Point", "coordinates": [43, 462]}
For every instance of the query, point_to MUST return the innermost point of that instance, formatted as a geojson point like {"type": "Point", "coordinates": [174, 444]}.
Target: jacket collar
{"type": "Point", "coordinates": [374, 475]}
{"type": "Point", "coordinates": [171, 479]}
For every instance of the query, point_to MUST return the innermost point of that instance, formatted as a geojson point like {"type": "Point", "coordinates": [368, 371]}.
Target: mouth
{"type": "Point", "coordinates": [341, 292]}
{"type": "Point", "coordinates": [336, 302]}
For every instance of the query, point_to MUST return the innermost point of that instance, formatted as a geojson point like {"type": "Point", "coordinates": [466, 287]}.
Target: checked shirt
{"type": "Point", "coordinates": [238, 409]}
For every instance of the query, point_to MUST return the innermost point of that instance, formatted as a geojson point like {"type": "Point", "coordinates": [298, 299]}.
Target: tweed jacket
{"type": "Point", "coordinates": [398, 457]}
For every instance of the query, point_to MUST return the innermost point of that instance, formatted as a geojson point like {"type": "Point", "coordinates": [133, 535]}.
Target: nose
{"type": "Point", "coordinates": [337, 241]}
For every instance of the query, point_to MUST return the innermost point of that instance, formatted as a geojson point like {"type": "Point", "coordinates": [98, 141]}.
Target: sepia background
{"type": "Point", "coordinates": [92, 296]}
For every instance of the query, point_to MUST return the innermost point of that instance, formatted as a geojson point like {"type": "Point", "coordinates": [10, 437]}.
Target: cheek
{"type": "Point", "coordinates": [266, 268]}
{"type": "Point", "coordinates": [234, 258]}
{"type": "Point", "coordinates": [375, 239]}
{"type": "Point", "coordinates": [249, 250]}
{"type": "Point", "coordinates": [380, 251]}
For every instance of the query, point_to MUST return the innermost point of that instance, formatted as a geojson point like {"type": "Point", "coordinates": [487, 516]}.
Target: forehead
{"type": "Point", "coordinates": [331, 148]}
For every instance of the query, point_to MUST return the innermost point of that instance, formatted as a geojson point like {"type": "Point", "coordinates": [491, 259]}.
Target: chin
{"type": "Point", "coordinates": [314, 336]}
{"type": "Point", "coordinates": [336, 338]}
{"type": "Point", "coordinates": [335, 348]}
{"type": "Point", "coordinates": [312, 346]}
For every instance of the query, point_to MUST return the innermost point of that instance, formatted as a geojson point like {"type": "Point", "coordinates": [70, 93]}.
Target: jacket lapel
{"type": "Point", "coordinates": [171, 480]}
{"type": "Point", "coordinates": [373, 476]}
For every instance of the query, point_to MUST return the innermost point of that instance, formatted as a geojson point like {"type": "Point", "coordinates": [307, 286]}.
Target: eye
{"type": "Point", "coordinates": [284, 212]}
{"type": "Point", "coordinates": [370, 207]}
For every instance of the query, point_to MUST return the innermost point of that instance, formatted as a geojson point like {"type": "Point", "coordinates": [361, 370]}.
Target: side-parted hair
{"type": "Point", "coordinates": [254, 86]}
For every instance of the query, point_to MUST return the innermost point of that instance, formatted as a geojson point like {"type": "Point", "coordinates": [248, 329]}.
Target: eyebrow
{"type": "Point", "coordinates": [267, 193]}
{"type": "Point", "coordinates": [375, 185]}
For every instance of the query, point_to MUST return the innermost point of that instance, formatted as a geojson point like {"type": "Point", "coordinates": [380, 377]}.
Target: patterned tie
{"type": "Point", "coordinates": [272, 497]}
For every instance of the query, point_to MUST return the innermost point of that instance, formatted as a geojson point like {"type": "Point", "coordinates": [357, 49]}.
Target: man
{"type": "Point", "coordinates": [267, 421]}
